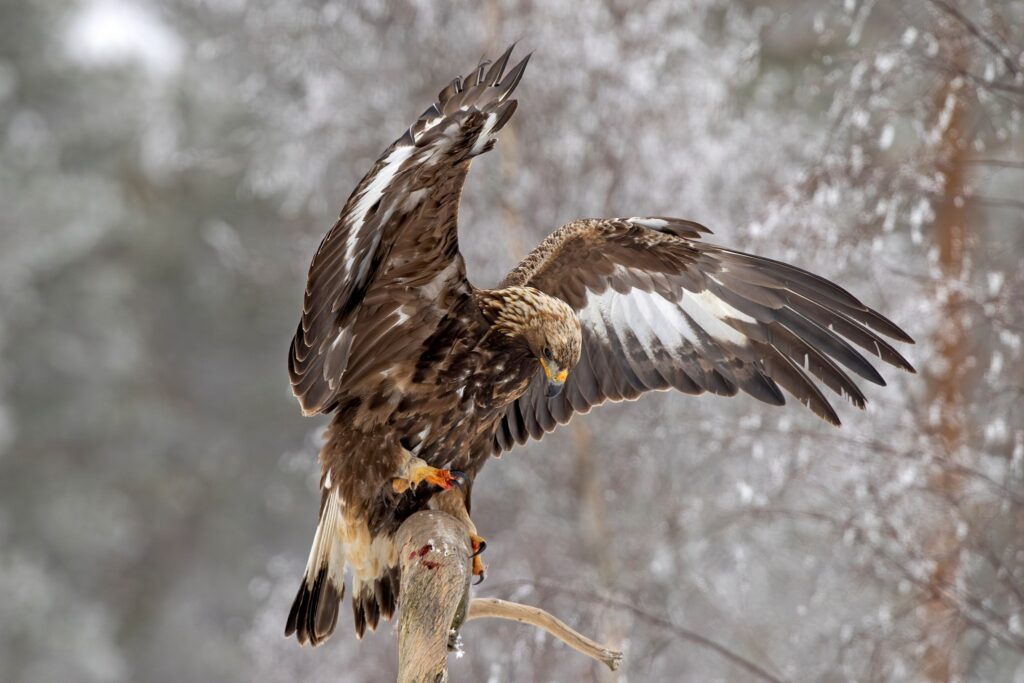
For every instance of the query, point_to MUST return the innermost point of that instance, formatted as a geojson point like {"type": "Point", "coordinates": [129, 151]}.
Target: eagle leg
{"type": "Point", "coordinates": [479, 568]}
{"type": "Point", "coordinates": [415, 471]}
{"type": "Point", "coordinates": [454, 503]}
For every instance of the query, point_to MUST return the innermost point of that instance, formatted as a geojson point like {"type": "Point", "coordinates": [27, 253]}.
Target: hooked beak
{"type": "Point", "coordinates": [556, 377]}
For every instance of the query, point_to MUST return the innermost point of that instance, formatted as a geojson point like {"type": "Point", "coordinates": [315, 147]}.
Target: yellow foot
{"type": "Point", "coordinates": [417, 471]}
{"type": "Point", "coordinates": [479, 568]}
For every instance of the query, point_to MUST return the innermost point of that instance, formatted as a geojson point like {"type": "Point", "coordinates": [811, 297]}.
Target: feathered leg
{"type": "Point", "coordinates": [453, 501]}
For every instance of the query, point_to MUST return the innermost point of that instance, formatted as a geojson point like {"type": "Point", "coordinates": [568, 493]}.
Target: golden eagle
{"type": "Point", "coordinates": [428, 376]}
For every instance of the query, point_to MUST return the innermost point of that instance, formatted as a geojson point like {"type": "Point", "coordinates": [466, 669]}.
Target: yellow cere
{"type": "Point", "coordinates": [560, 377]}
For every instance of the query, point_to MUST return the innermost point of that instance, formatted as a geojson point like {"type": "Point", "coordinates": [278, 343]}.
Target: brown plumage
{"type": "Point", "coordinates": [418, 366]}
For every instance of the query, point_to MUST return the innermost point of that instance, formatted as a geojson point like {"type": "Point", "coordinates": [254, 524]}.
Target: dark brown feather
{"type": "Point", "coordinates": [390, 323]}
{"type": "Point", "coordinates": [639, 283]}
{"type": "Point", "coordinates": [396, 244]}
{"type": "Point", "coordinates": [314, 612]}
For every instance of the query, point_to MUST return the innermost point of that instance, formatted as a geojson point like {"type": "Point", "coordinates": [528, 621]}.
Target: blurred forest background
{"type": "Point", "coordinates": [167, 169]}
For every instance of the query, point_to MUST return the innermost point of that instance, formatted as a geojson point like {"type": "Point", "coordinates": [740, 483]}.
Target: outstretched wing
{"type": "Point", "coordinates": [390, 268]}
{"type": "Point", "coordinates": [661, 310]}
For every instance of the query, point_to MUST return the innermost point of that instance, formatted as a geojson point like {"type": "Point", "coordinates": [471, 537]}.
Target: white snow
{"type": "Point", "coordinates": [106, 32]}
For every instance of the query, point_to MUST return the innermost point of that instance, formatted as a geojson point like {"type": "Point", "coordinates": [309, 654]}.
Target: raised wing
{"type": "Point", "coordinates": [661, 310]}
{"type": "Point", "coordinates": [390, 268]}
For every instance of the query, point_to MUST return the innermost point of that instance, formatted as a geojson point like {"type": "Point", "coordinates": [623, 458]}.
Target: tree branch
{"type": "Point", "coordinates": [975, 30]}
{"type": "Point", "coordinates": [663, 622]}
{"type": "Point", "coordinates": [481, 608]}
{"type": "Point", "coordinates": [434, 553]}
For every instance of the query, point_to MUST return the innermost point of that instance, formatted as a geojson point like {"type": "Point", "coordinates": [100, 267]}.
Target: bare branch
{"type": "Point", "coordinates": [481, 608]}
{"type": "Point", "coordinates": [435, 560]}
{"type": "Point", "coordinates": [998, 202]}
{"type": "Point", "coordinates": [976, 31]}
{"type": "Point", "coordinates": [1000, 163]}
{"type": "Point", "coordinates": [632, 607]}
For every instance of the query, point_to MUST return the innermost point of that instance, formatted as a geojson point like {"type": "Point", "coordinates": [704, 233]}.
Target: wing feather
{"type": "Point", "coordinates": [660, 309]}
{"type": "Point", "coordinates": [395, 244]}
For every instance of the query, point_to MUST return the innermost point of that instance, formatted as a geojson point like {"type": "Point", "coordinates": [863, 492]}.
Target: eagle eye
{"type": "Point", "coordinates": [547, 353]}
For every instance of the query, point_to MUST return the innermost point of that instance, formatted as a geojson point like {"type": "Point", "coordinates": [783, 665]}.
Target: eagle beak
{"type": "Point", "coordinates": [554, 388]}
{"type": "Point", "coordinates": [556, 377]}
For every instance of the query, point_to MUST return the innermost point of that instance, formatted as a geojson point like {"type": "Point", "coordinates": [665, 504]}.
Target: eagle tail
{"type": "Point", "coordinates": [374, 598]}
{"type": "Point", "coordinates": [314, 613]}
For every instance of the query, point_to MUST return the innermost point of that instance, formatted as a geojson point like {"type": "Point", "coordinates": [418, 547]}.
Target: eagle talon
{"type": "Point", "coordinates": [479, 568]}
{"type": "Point", "coordinates": [441, 478]}
{"type": "Point", "coordinates": [416, 471]}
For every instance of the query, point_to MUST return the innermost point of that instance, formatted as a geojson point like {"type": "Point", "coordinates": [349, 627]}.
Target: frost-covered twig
{"type": "Point", "coordinates": [480, 608]}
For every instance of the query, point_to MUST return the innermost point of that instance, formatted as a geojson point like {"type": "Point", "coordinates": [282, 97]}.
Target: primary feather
{"type": "Point", "coordinates": [662, 309]}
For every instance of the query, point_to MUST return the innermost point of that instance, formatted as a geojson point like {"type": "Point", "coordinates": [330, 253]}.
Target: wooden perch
{"type": "Point", "coordinates": [434, 552]}
{"type": "Point", "coordinates": [435, 559]}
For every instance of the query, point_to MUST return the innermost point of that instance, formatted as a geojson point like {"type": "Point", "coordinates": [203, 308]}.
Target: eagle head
{"type": "Point", "coordinates": [545, 325]}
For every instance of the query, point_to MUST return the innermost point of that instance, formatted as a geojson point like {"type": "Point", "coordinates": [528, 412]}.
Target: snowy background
{"type": "Point", "coordinates": [168, 168]}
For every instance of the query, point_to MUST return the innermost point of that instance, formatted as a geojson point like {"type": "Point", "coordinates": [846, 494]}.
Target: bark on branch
{"type": "Point", "coordinates": [435, 559]}
{"type": "Point", "coordinates": [435, 554]}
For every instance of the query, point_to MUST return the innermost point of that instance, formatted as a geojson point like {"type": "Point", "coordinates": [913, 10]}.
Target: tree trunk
{"type": "Point", "coordinates": [434, 554]}
{"type": "Point", "coordinates": [942, 623]}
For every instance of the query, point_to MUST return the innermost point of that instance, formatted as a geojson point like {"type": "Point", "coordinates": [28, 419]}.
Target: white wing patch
{"type": "Point", "coordinates": [373, 192]}
{"type": "Point", "coordinates": [652, 223]}
{"type": "Point", "coordinates": [663, 321]}
{"type": "Point", "coordinates": [658, 322]}
{"type": "Point", "coordinates": [710, 312]}
{"type": "Point", "coordinates": [595, 313]}
{"type": "Point", "coordinates": [485, 134]}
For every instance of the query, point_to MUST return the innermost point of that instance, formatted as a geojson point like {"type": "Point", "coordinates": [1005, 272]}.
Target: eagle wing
{"type": "Point", "coordinates": [660, 310]}
{"type": "Point", "coordinates": [390, 268]}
